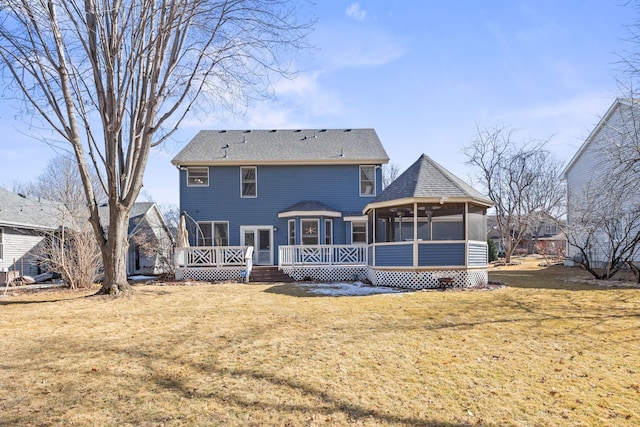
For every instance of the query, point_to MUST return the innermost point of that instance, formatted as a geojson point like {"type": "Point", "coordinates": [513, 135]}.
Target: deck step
{"type": "Point", "coordinates": [268, 274]}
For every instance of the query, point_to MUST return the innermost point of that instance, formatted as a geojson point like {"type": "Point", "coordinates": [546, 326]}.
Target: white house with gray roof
{"type": "Point", "coordinates": [24, 223]}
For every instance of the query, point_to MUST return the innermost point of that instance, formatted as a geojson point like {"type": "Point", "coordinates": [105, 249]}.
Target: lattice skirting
{"type": "Point", "coordinates": [209, 274]}
{"type": "Point", "coordinates": [328, 274]}
{"type": "Point", "coordinates": [427, 279]}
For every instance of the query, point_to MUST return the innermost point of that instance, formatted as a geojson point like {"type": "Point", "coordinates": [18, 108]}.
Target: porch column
{"type": "Point", "coordinates": [465, 218]}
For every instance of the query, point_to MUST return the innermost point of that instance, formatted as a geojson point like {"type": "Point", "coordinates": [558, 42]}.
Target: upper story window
{"type": "Point", "coordinates": [310, 234]}
{"type": "Point", "coordinates": [1, 243]}
{"type": "Point", "coordinates": [198, 177]}
{"type": "Point", "coordinates": [249, 181]}
{"type": "Point", "coordinates": [367, 180]}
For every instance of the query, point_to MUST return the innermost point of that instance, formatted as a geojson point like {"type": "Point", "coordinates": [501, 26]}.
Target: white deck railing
{"type": "Point", "coordinates": [323, 255]}
{"type": "Point", "coordinates": [213, 256]}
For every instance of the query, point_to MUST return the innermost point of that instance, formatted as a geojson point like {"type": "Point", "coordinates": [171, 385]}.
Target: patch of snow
{"type": "Point", "coordinates": [141, 277]}
{"type": "Point", "coordinates": [347, 289]}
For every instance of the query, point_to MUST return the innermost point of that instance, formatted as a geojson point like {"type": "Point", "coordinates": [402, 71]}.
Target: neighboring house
{"type": "Point", "coordinates": [24, 222]}
{"type": "Point", "coordinates": [310, 201]}
{"type": "Point", "coordinates": [546, 236]}
{"type": "Point", "coordinates": [150, 239]}
{"type": "Point", "coordinates": [589, 168]}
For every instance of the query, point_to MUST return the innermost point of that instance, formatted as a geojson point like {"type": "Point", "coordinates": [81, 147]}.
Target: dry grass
{"type": "Point", "coordinates": [542, 351]}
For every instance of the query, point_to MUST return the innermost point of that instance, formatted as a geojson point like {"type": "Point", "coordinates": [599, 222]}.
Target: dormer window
{"type": "Point", "coordinates": [198, 177]}
{"type": "Point", "coordinates": [367, 181]}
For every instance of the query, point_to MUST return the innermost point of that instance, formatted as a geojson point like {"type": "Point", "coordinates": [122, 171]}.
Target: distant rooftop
{"type": "Point", "coordinates": [278, 146]}
{"type": "Point", "coordinates": [20, 211]}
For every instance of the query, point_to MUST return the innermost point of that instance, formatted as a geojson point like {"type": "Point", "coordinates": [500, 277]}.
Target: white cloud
{"type": "Point", "coordinates": [348, 48]}
{"type": "Point", "coordinates": [356, 12]}
{"type": "Point", "coordinates": [566, 122]}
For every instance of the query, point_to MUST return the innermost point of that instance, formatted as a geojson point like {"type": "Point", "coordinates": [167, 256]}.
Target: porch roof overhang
{"type": "Point", "coordinates": [309, 208]}
{"type": "Point", "coordinates": [426, 200]}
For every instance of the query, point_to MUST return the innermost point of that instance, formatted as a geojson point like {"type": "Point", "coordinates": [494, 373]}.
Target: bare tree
{"type": "Point", "coordinates": [114, 78]}
{"type": "Point", "coordinates": [523, 180]}
{"type": "Point", "coordinates": [605, 229]}
{"type": "Point", "coordinates": [158, 251]}
{"type": "Point", "coordinates": [390, 172]}
{"type": "Point", "coordinates": [72, 253]}
{"type": "Point", "coordinates": [603, 185]}
{"type": "Point", "coordinates": [60, 182]}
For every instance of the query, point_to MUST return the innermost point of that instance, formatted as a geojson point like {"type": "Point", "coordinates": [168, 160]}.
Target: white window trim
{"type": "Point", "coordinates": [373, 193]}
{"type": "Point", "coordinates": [1, 243]}
{"type": "Point", "coordinates": [302, 235]}
{"type": "Point", "coordinates": [255, 168]}
{"type": "Point", "coordinates": [366, 233]}
{"type": "Point", "coordinates": [291, 226]}
{"type": "Point", "coordinates": [189, 169]}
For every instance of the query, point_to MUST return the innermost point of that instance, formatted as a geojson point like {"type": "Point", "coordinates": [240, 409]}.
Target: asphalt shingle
{"type": "Point", "coordinates": [427, 179]}
{"type": "Point", "coordinates": [283, 145]}
{"type": "Point", "coordinates": [30, 212]}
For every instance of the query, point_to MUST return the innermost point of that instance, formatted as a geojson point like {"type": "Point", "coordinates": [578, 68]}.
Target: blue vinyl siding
{"type": "Point", "coordinates": [394, 255]}
{"type": "Point", "coordinates": [279, 187]}
{"type": "Point", "coordinates": [433, 255]}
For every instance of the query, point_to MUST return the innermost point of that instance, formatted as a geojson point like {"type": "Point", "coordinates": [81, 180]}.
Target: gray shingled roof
{"type": "Point", "coordinates": [309, 206]}
{"type": "Point", "coordinates": [426, 179]}
{"type": "Point", "coordinates": [138, 211]}
{"type": "Point", "coordinates": [283, 145]}
{"type": "Point", "coordinates": [21, 211]}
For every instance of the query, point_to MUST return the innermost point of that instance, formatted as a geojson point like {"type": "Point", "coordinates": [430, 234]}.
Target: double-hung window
{"type": "Point", "coordinates": [198, 177]}
{"type": "Point", "coordinates": [249, 181]}
{"type": "Point", "coordinates": [359, 232]}
{"type": "Point", "coordinates": [213, 233]}
{"type": "Point", "coordinates": [310, 234]}
{"type": "Point", "coordinates": [367, 180]}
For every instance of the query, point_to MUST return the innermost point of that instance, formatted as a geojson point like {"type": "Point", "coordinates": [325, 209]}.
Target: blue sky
{"type": "Point", "coordinates": [424, 74]}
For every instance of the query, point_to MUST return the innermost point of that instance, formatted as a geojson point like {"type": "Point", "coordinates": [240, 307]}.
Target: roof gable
{"type": "Point", "coordinates": [426, 179]}
{"type": "Point", "coordinates": [283, 146]}
{"type": "Point", "coordinates": [21, 211]}
{"type": "Point", "coordinates": [617, 104]}
{"type": "Point", "coordinates": [137, 213]}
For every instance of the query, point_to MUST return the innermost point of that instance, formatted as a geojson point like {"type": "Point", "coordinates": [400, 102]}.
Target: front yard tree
{"type": "Point", "coordinates": [115, 78]}
{"type": "Point", "coordinates": [523, 180]}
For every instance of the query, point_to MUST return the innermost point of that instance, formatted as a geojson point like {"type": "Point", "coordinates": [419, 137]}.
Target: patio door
{"type": "Point", "coordinates": [261, 240]}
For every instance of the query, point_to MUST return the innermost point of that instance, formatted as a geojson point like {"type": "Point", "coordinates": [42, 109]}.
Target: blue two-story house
{"type": "Point", "coordinates": [311, 202]}
{"type": "Point", "coordinates": [274, 188]}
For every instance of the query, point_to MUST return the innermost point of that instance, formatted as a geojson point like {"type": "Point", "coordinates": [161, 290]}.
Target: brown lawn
{"type": "Point", "coordinates": [546, 350]}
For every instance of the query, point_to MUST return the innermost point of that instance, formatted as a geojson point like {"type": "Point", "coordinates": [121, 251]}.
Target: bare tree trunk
{"type": "Point", "coordinates": [114, 254]}
{"type": "Point", "coordinates": [114, 79]}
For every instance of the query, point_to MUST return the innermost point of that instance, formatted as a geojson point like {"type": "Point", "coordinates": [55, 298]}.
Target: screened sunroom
{"type": "Point", "coordinates": [426, 227]}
